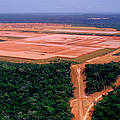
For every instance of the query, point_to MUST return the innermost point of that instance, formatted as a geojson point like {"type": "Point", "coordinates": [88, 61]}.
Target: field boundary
{"type": "Point", "coordinates": [80, 59]}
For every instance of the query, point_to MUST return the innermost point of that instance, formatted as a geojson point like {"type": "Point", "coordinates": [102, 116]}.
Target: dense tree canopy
{"type": "Point", "coordinates": [100, 76]}
{"type": "Point", "coordinates": [117, 54]}
{"type": "Point", "coordinates": [35, 92]}
{"type": "Point", "coordinates": [109, 107]}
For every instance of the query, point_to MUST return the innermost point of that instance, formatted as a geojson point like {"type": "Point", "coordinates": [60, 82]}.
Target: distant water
{"type": "Point", "coordinates": [96, 20]}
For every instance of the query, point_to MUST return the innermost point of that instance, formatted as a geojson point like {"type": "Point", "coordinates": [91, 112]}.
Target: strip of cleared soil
{"type": "Point", "coordinates": [86, 31]}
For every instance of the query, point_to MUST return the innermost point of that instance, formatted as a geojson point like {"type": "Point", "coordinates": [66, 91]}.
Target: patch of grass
{"type": "Point", "coordinates": [95, 54]}
{"type": "Point", "coordinates": [29, 31]}
{"type": "Point", "coordinates": [83, 28]}
{"type": "Point", "coordinates": [12, 37]}
{"type": "Point", "coordinates": [77, 33]}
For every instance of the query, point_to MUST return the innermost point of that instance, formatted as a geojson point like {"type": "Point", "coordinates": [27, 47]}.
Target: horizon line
{"type": "Point", "coordinates": [60, 13]}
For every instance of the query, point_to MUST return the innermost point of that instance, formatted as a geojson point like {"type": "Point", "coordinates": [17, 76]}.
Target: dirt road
{"type": "Point", "coordinates": [83, 104]}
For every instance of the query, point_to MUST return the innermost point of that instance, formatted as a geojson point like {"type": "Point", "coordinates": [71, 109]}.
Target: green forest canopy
{"type": "Point", "coordinates": [37, 92]}
{"type": "Point", "coordinates": [99, 76]}
{"type": "Point", "coordinates": [109, 107]}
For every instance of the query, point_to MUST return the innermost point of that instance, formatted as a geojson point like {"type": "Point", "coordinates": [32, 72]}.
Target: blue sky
{"type": "Point", "coordinates": [75, 6]}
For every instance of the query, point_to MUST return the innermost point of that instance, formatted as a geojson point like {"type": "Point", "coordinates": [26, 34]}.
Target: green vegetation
{"type": "Point", "coordinates": [94, 54]}
{"type": "Point", "coordinates": [99, 76]}
{"type": "Point", "coordinates": [117, 54]}
{"type": "Point", "coordinates": [98, 25]}
{"type": "Point", "coordinates": [2, 40]}
{"type": "Point", "coordinates": [109, 107]}
{"type": "Point", "coordinates": [78, 33]}
{"type": "Point", "coordinates": [34, 91]}
{"type": "Point", "coordinates": [83, 28]}
{"type": "Point", "coordinates": [29, 31]}
{"type": "Point", "coordinates": [22, 31]}
{"type": "Point", "coordinates": [12, 37]}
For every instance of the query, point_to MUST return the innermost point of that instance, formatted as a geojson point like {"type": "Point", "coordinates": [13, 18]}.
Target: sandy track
{"type": "Point", "coordinates": [76, 104]}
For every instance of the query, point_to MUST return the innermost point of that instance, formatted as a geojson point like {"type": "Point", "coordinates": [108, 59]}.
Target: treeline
{"type": "Point", "coordinates": [117, 54]}
{"type": "Point", "coordinates": [109, 107]}
{"type": "Point", "coordinates": [2, 40]}
{"type": "Point", "coordinates": [99, 76]}
{"type": "Point", "coordinates": [80, 33]}
{"type": "Point", "coordinates": [35, 92]}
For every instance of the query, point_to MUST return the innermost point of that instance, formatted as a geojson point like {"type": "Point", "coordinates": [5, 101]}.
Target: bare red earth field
{"type": "Point", "coordinates": [34, 45]}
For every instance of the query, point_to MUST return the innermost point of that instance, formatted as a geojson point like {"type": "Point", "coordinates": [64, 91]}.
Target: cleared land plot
{"type": "Point", "coordinates": [80, 59]}
{"type": "Point", "coordinates": [30, 45]}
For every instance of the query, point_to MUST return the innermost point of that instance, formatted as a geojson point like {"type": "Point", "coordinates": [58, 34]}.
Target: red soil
{"type": "Point", "coordinates": [43, 46]}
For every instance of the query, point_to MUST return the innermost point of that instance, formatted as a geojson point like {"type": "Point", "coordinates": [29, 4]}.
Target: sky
{"type": "Point", "coordinates": [59, 6]}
